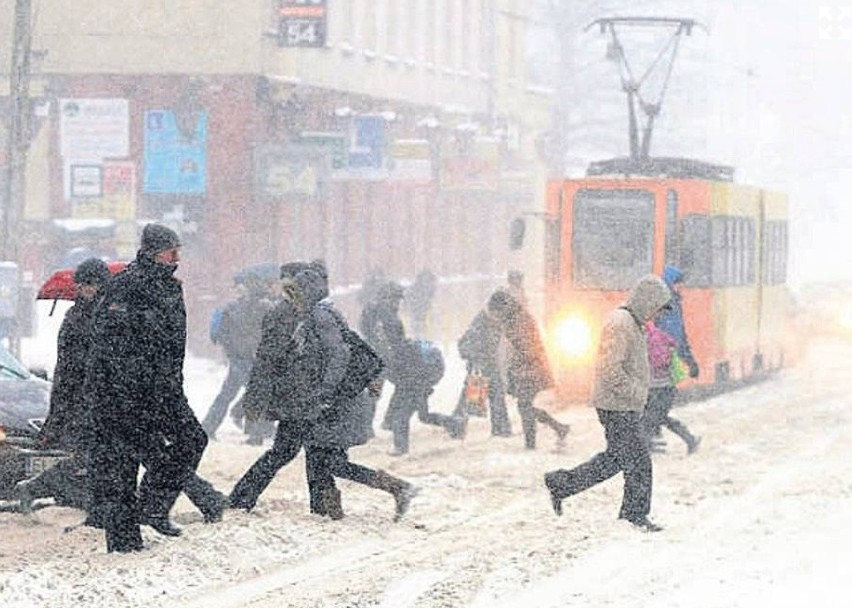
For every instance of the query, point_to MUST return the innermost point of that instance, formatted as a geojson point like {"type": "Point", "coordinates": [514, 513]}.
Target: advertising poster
{"type": "Point", "coordinates": [175, 162]}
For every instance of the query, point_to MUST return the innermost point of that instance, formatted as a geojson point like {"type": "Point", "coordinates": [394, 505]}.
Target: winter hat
{"type": "Point", "coordinates": [289, 270]}
{"type": "Point", "coordinates": [157, 238]}
{"type": "Point", "coordinates": [93, 271]}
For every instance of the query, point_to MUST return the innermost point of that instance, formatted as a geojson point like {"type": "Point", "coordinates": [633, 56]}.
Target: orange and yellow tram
{"type": "Point", "coordinates": [605, 231]}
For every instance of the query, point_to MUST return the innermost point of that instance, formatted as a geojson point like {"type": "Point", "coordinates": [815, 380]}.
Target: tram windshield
{"type": "Point", "coordinates": [613, 238]}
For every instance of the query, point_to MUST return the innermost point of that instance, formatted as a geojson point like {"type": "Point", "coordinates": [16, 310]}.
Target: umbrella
{"type": "Point", "coordinates": [263, 272]}
{"type": "Point", "coordinates": [61, 286]}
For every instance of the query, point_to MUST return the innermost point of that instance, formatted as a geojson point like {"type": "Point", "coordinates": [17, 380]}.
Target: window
{"type": "Point", "coordinates": [613, 239]}
{"type": "Point", "coordinates": [672, 238]}
{"type": "Point", "coordinates": [733, 242]}
{"type": "Point", "coordinates": [695, 259]}
{"type": "Point", "coordinates": [774, 252]}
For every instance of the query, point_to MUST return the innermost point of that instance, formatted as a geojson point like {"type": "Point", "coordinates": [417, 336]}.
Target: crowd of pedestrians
{"type": "Point", "coordinates": [312, 383]}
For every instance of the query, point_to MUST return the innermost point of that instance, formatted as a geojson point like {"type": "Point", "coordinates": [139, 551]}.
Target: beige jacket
{"type": "Point", "coordinates": [622, 373]}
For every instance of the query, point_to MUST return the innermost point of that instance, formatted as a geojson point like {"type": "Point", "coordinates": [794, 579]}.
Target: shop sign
{"type": "Point", "coordinates": [302, 23]}
{"type": "Point", "coordinates": [93, 129]}
{"type": "Point", "coordinates": [367, 141]}
{"type": "Point", "coordinates": [293, 172]}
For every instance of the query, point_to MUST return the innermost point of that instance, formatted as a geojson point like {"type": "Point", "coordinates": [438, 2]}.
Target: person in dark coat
{"type": "Point", "coordinates": [284, 385]}
{"type": "Point", "coordinates": [478, 347]}
{"type": "Point", "coordinates": [341, 425]}
{"type": "Point", "coordinates": [134, 391]}
{"type": "Point", "coordinates": [619, 394]}
{"type": "Point", "coordinates": [383, 329]}
{"type": "Point", "coordinates": [418, 300]}
{"type": "Point", "coordinates": [528, 369]}
{"type": "Point", "coordinates": [68, 426]}
{"type": "Point", "coordinates": [239, 334]}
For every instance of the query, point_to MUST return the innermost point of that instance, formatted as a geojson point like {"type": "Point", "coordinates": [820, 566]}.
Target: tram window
{"type": "Point", "coordinates": [695, 251]}
{"type": "Point", "coordinates": [672, 241]}
{"type": "Point", "coordinates": [733, 247]}
{"type": "Point", "coordinates": [775, 252]}
{"type": "Point", "coordinates": [613, 238]}
{"type": "Point", "coordinates": [553, 250]}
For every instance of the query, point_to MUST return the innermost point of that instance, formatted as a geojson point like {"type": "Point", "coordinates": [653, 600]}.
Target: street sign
{"type": "Point", "coordinates": [302, 23]}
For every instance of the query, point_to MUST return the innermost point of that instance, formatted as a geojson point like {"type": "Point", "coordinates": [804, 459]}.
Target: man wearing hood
{"type": "Point", "coordinates": [134, 386]}
{"type": "Point", "coordinates": [619, 394]}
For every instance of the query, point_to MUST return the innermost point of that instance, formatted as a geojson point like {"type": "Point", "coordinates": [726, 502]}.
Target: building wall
{"type": "Point", "coordinates": [459, 63]}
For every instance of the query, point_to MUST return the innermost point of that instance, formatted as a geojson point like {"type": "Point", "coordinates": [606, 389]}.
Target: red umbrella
{"type": "Point", "coordinates": [60, 285]}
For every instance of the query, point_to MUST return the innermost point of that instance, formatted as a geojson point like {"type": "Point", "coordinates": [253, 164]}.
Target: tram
{"type": "Point", "coordinates": [624, 220]}
{"type": "Point", "coordinates": [635, 215]}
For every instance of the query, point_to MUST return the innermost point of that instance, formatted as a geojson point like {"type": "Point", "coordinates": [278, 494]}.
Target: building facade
{"type": "Point", "coordinates": [397, 135]}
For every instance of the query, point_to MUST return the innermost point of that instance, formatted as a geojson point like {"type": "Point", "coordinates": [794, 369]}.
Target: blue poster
{"type": "Point", "coordinates": [367, 142]}
{"type": "Point", "coordinates": [175, 162]}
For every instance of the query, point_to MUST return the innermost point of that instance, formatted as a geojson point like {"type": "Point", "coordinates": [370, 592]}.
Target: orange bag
{"type": "Point", "coordinates": [476, 393]}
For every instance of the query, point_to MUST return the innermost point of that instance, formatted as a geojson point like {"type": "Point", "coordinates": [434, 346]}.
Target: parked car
{"type": "Point", "coordinates": [24, 404]}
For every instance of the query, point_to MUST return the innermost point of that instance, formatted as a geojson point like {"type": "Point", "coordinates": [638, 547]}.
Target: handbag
{"type": "Point", "coordinates": [476, 393]}
{"type": "Point", "coordinates": [678, 369]}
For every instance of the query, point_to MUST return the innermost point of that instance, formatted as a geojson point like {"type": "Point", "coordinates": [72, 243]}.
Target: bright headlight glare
{"type": "Point", "coordinates": [573, 337]}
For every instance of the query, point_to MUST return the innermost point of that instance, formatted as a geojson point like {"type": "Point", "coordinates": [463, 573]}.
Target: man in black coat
{"type": "Point", "coordinates": [134, 385]}
{"type": "Point", "coordinates": [68, 426]}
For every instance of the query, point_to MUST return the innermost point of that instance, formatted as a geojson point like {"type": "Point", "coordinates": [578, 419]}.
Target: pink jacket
{"type": "Point", "coordinates": [660, 348]}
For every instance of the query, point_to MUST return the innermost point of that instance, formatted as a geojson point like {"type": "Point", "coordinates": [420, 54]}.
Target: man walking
{"type": "Point", "coordinates": [619, 395]}
{"type": "Point", "coordinates": [134, 384]}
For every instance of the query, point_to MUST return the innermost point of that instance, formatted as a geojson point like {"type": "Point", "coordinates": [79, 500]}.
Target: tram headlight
{"type": "Point", "coordinates": [845, 319]}
{"type": "Point", "coordinates": [573, 337]}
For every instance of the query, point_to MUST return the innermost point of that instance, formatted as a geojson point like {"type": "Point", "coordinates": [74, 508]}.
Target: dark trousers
{"type": "Point", "coordinates": [530, 415]}
{"type": "Point", "coordinates": [237, 377]}
{"type": "Point", "coordinates": [627, 452]}
{"type": "Point", "coordinates": [658, 415]}
{"type": "Point", "coordinates": [407, 399]}
{"type": "Point", "coordinates": [170, 463]}
{"type": "Point", "coordinates": [339, 465]}
{"type": "Point", "coordinates": [66, 482]}
{"type": "Point", "coordinates": [290, 437]}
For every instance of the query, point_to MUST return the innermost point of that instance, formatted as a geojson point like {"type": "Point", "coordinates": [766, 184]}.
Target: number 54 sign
{"type": "Point", "coordinates": [302, 23]}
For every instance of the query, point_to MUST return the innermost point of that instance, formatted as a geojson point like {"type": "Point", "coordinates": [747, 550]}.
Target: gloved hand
{"type": "Point", "coordinates": [693, 369]}
{"type": "Point", "coordinates": [375, 388]}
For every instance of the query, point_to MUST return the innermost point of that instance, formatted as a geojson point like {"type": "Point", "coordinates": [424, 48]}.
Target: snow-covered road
{"type": "Point", "coordinates": [759, 516]}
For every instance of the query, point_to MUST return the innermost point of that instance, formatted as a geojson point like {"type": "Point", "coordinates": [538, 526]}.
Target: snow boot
{"type": "Point", "coordinates": [401, 490]}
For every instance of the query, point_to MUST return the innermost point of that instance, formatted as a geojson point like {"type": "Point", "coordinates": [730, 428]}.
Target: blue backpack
{"type": "Point", "coordinates": [216, 325]}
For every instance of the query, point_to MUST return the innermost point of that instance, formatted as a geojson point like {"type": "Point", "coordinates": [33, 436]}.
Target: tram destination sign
{"type": "Point", "coordinates": [302, 23]}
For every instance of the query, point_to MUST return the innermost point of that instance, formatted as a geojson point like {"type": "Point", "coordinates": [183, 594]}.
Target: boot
{"type": "Point", "coordinates": [402, 492]}
{"type": "Point", "coordinates": [692, 445]}
{"type": "Point", "coordinates": [555, 501]}
{"type": "Point", "coordinates": [121, 528]}
{"type": "Point", "coordinates": [331, 504]}
{"type": "Point", "coordinates": [25, 497]}
{"type": "Point", "coordinates": [562, 430]}
{"type": "Point", "coordinates": [160, 523]}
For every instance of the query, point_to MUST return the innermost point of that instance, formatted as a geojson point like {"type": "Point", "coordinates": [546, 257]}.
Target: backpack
{"type": "Point", "coordinates": [364, 364]}
{"type": "Point", "coordinates": [429, 363]}
{"type": "Point", "coordinates": [216, 325]}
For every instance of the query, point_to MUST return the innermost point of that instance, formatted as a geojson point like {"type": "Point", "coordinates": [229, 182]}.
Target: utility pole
{"type": "Point", "coordinates": [17, 143]}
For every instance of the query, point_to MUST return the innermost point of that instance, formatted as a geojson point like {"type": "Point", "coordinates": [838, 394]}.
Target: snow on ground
{"type": "Point", "coordinates": [758, 517]}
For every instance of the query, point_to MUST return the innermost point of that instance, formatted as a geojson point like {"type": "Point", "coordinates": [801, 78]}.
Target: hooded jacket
{"type": "Point", "coordinates": [671, 320]}
{"type": "Point", "coordinates": [622, 372]}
